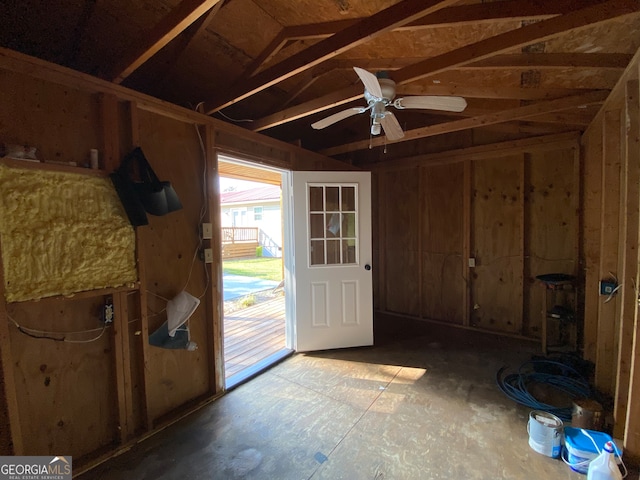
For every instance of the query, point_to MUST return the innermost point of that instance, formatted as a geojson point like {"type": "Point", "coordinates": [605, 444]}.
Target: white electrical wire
{"type": "Point", "coordinates": [158, 296]}
{"type": "Point", "coordinates": [233, 119]}
{"type": "Point", "coordinates": [45, 335]}
{"type": "Point", "coordinates": [203, 211]}
{"type": "Point", "coordinates": [104, 327]}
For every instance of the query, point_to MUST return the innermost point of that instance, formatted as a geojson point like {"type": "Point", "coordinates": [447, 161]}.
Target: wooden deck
{"type": "Point", "coordinates": [253, 334]}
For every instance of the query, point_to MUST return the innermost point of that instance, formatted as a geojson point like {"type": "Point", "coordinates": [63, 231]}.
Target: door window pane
{"type": "Point", "coordinates": [333, 199]}
{"type": "Point", "coordinates": [317, 225]}
{"type": "Point", "coordinates": [333, 252]}
{"type": "Point", "coordinates": [333, 224]}
{"type": "Point", "coordinates": [316, 199]}
{"type": "Point", "coordinates": [348, 199]}
{"type": "Point", "coordinates": [317, 252]}
{"type": "Point", "coordinates": [349, 251]}
{"type": "Point", "coordinates": [349, 225]}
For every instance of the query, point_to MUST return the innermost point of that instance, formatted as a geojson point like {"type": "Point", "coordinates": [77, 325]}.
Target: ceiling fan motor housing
{"type": "Point", "coordinates": [388, 88]}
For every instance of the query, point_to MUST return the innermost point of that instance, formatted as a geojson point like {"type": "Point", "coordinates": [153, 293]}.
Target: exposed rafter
{"type": "Point", "coordinates": [539, 61]}
{"type": "Point", "coordinates": [308, 78]}
{"type": "Point", "coordinates": [368, 28]}
{"type": "Point", "coordinates": [320, 104]}
{"type": "Point", "coordinates": [164, 32]}
{"type": "Point", "coordinates": [470, 91]}
{"type": "Point", "coordinates": [507, 10]}
{"type": "Point", "coordinates": [526, 35]}
{"type": "Point", "coordinates": [519, 113]}
{"type": "Point", "coordinates": [469, 54]}
{"type": "Point", "coordinates": [187, 38]}
{"type": "Point", "coordinates": [515, 61]}
{"type": "Point", "coordinates": [267, 54]}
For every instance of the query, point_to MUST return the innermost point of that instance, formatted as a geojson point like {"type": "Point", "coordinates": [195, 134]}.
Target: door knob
{"type": "Point", "coordinates": [367, 267]}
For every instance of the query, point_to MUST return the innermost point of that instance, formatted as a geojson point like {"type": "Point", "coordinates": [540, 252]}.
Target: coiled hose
{"type": "Point", "coordinates": [567, 380]}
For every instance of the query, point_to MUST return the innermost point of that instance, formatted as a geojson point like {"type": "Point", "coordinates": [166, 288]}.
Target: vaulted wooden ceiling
{"type": "Point", "coordinates": [525, 67]}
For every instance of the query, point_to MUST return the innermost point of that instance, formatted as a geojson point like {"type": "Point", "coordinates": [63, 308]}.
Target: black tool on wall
{"type": "Point", "coordinates": [141, 191]}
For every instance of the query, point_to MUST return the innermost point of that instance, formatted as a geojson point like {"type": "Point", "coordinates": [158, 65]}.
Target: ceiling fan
{"type": "Point", "coordinates": [380, 92]}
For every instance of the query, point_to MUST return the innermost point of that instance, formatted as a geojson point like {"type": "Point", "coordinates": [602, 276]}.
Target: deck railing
{"type": "Point", "coordinates": [239, 234]}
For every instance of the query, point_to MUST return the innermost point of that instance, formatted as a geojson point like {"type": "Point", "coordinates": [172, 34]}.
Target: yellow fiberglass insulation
{"type": "Point", "coordinates": [62, 233]}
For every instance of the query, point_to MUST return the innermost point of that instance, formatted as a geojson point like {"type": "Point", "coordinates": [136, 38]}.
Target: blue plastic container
{"type": "Point", "coordinates": [580, 449]}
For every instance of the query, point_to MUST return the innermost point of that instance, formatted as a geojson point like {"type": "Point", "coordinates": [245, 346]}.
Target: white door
{"type": "Point", "coordinates": [333, 294]}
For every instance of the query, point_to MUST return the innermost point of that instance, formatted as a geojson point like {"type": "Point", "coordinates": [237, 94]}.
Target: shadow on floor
{"type": "Point", "coordinates": [413, 408]}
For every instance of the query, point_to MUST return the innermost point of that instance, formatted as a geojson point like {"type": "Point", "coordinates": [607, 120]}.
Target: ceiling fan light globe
{"type": "Point", "coordinates": [375, 129]}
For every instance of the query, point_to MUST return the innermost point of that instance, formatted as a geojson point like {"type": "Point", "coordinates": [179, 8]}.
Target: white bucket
{"type": "Point", "coordinates": [545, 433]}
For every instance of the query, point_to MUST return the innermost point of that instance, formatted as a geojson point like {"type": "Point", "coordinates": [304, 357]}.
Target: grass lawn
{"type": "Point", "coordinates": [263, 268]}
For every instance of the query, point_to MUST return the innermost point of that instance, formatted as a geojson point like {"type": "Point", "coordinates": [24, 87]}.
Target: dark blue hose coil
{"type": "Point", "coordinates": [560, 376]}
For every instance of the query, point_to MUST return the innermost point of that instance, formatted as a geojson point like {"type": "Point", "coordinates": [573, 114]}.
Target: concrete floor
{"type": "Point", "coordinates": [421, 408]}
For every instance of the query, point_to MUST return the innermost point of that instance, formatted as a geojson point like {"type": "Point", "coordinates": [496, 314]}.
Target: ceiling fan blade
{"type": "Point", "coordinates": [370, 81]}
{"type": "Point", "coordinates": [336, 117]}
{"type": "Point", "coordinates": [432, 102]}
{"type": "Point", "coordinates": [392, 128]}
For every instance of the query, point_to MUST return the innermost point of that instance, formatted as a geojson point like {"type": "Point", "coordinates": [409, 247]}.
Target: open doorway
{"type": "Point", "coordinates": [252, 226]}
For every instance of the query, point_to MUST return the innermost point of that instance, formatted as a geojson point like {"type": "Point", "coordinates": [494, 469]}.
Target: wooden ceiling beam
{"type": "Point", "coordinates": [470, 91]}
{"type": "Point", "coordinates": [309, 78]}
{"type": "Point", "coordinates": [183, 41]}
{"type": "Point", "coordinates": [526, 35]}
{"type": "Point", "coordinates": [267, 54]}
{"type": "Point", "coordinates": [507, 10]}
{"type": "Point", "coordinates": [543, 141]}
{"type": "Point", "coordinates": [164, 32]}
{"type": "Point", "coordinates": [350, 94]}
{"type": "Point", "coordinates": [361, 32]}
{"type": "Point", "coordinates": [468, 54]}
{"type": "Point", "coordinates": [519, 113]}
{"type": "Point", "coordinates": [565, 118]}
{"type": "Point", "coordinates": [539, 61]}
{"type": "Point", "coordinates": [199, 27]}
{"type": "Point", "coordinates": [320, 104]}
{"type": "Point", "coordinates": [516, 61]}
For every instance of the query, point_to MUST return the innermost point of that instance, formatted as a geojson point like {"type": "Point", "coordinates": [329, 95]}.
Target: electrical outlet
{"type": "Point", "coordinates": [207, 231]}
{"type": "Point", "coordinates": [208, 255]}
{"type": "Point", "coordinates": [107, 311]}
{"type": "Point", "coordinates": [607, 287]}
{"type": "Point", "coordinates": [472, 262]}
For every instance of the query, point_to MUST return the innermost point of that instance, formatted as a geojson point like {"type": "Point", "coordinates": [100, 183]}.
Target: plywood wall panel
{"type": "Point", "coordinates": [591, 208]}
{"type": "Point", "coordinates": [136, 367]}
{"type": "Point", "coordinates": [551, 225]}
{"type": "Point", "coordinates": [6, 442]}
{"type": "Point", "coordinates": [608, 313]}
{"type": "Point", "coordinates": [59, 121]}
{"type": "Point", "coordinates": [441, 213]}
{"type": "Point", "coordinates": [497, 233]}
{"type": "Point", "coordinates": [56, 380]}
{"type": "Point", "coordinates": [401, 235]}
{"type": "Point", "coordinates": [172, 148]}
{"type": "Point", "coordinates": [94, 386]}
{"type": "Point", "coordinates": [238, 144]}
